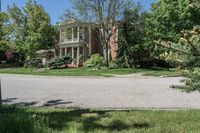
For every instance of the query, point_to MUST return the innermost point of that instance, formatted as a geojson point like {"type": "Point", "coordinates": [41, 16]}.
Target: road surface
{"type": "Point", "coordinates": [121, 92]}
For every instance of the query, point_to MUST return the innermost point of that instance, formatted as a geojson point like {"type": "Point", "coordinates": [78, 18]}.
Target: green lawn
{"type": "Point", "coordinates": [89, 72]}
{"type": "Point", "coordinates": [30, 120]}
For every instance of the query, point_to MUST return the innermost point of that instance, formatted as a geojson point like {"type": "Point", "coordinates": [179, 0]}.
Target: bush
{"type": "Point", "coordinates": [193, 83]}
{"type": "Point", "coordinates": [57, 62]}
{"type": "Point", "coordinates": [113, 65]}
{"type": "Point", "coordinates": [34, 63]}
{"type": "Point", "coordinates": [95, 61]}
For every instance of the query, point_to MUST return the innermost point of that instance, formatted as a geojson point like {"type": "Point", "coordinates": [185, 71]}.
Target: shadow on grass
{"type": "Point", "coordinates": [91, 124]}
{"type": "Point", "coordinates": [18, 120]}
{"type": "Point", "coordinates": [31, 120]}
{"type": "Point", "coordinates": [90, 121]}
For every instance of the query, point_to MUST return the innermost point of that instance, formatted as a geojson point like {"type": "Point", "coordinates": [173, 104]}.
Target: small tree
{"type": "Point", "coordinates": [186, 53]}
{"type": "Point", "coordinates": [106, 14]}
{"type": "Point", "coordinates": [31, 29]}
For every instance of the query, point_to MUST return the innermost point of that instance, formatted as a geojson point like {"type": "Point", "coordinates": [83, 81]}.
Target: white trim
{"type": "Point", "coordinates": [65, 50]}
{"type": "Point", "coordinates": [78, 55]}
{"type": "Point", "coordinates": [78, 34]}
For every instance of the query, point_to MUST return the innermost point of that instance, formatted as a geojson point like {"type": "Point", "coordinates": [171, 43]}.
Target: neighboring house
{"type": "Point", "coordinates": [45, 55]}
{"type": "Point", "coordinates": [81, 41]}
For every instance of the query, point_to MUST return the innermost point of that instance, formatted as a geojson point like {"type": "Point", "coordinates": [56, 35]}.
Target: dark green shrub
{"type": "Point", "coordinates": [57, 62]}
{"type": "Point", "coordinates": [113, 65]}
{"type": "Point", "coordinates": [185, 53]}
{"type": "Point", "coordinates": [34, 63]}
{"type": "Point", "coordinates": [193, 81]}
{"type": "Point", "coordinates": [95, 61]}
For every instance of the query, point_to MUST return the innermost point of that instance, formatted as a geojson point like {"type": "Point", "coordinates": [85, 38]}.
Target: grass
{"type": "Point", "coordinates": [89, 72]}
{"type": "Point", "coordinates": [41, 120]}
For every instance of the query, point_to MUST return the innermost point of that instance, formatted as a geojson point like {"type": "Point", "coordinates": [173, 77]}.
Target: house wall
{"type": "Point", "coordinates": [96, 46]}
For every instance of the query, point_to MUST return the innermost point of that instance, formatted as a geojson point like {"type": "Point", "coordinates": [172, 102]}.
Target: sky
{"type": "Point", "coordinates": [56, 8]}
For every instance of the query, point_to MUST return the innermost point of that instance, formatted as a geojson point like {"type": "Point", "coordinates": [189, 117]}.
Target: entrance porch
{"type": "Point", "coordinates": [76, 52]}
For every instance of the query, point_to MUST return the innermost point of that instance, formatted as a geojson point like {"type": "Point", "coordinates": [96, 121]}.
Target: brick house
{"type": "Point", "coordinates": [81, 41]}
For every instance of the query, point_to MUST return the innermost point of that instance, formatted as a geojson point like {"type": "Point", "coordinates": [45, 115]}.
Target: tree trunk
{"type": "Point", "coordinates": [106, 55]}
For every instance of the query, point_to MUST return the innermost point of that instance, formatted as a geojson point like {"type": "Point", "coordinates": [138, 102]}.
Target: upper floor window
{"type": "Point", "coordinates": [69, 33]}
{"type": "Point", "coordinates": [62, 35]}
{"type": "Point", "coordinates": [75, 32]}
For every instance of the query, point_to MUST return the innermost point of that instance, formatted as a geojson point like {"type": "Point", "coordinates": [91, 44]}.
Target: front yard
{"type": "Point", "coordinates": [89, 72]}
{"type": "Point", "coordinates": [43, 120]}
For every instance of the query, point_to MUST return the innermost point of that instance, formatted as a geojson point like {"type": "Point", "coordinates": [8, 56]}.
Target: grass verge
{"type": "Point", "coordinates": [89, 72]}
{"type": "Point", "coordinates": [34, 120]}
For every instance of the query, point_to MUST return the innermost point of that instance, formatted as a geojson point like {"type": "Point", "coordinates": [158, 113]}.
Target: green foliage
{"type": "Point", "coordinates": [132, 51]}
{"type": "Point", "coordinates": [168, 18]}
{"type": "Point", "coordinates": [34, 63]}
{"type": "Point", "coordinates": [57, 62]}
{"type": "Point", "coordinates": [113, 65]}
{"type": "Point", "coordinates": [95, 61]}
{"type": "Point", "coordinates": [51, 120]}
{"type": "Point", "coordinates": [193, 83]}
{"type": "Point", "coordinates": [18, 120]}
{"type": "Point", "coordinates": [186, 53]}
{"type": "Point", "coordinates": [29, 30]}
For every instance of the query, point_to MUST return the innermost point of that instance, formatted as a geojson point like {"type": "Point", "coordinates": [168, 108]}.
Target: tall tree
{"type": "Point", "coordinates": [39, 29]}
{"type": "Point", "coordinates": [18, 27]}
{"type": "Point", "coordinates": [132, 50]}
{"type": "Point", "coordinates": [168, 18]}
{"type": "Point", "coordinates": [31, 29]}
{"type": "Point", "coordinates": [106, 14]}
{"type": "Point", "coordinates": [4, 35]}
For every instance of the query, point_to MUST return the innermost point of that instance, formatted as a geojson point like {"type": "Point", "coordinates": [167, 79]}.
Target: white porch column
{"type": "Point", "coordinates": [72, 55]}
{"type": "Point", "coordinates": [83, 32]}
{"type": "Point", "coordinates": [65, 51]}
{"type": "Point", "coordinates": [78, 33]}
{"type": "Point", "coordinates": [78, 55]}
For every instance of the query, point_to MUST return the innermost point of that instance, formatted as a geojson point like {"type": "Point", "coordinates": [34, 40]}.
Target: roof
{"type": "Point", "coordinates": [73, 23]}
{"type": "Point", "coordinates": [45, 51]}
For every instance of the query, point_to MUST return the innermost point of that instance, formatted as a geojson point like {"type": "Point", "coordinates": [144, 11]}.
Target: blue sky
{"type": "Point", "coordinates": [55, 8]}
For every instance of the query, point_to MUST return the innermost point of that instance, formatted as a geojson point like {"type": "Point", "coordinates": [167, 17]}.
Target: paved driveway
{"type": "Point", "coordinates": [124, 92]}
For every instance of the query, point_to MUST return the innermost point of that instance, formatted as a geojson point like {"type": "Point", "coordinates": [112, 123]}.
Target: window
{"type": "Point", "coordinates": [69, 51]}
{"type": "Point", "coordinates": [75, 32]}
{"type": "Point", "coordinates": [69, 33]}
{"type": "Point", "coordinates": [62, 35]}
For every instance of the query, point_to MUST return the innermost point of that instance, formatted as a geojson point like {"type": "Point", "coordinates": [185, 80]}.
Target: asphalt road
{"type": "Point", "coordinates": [123, 92]}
